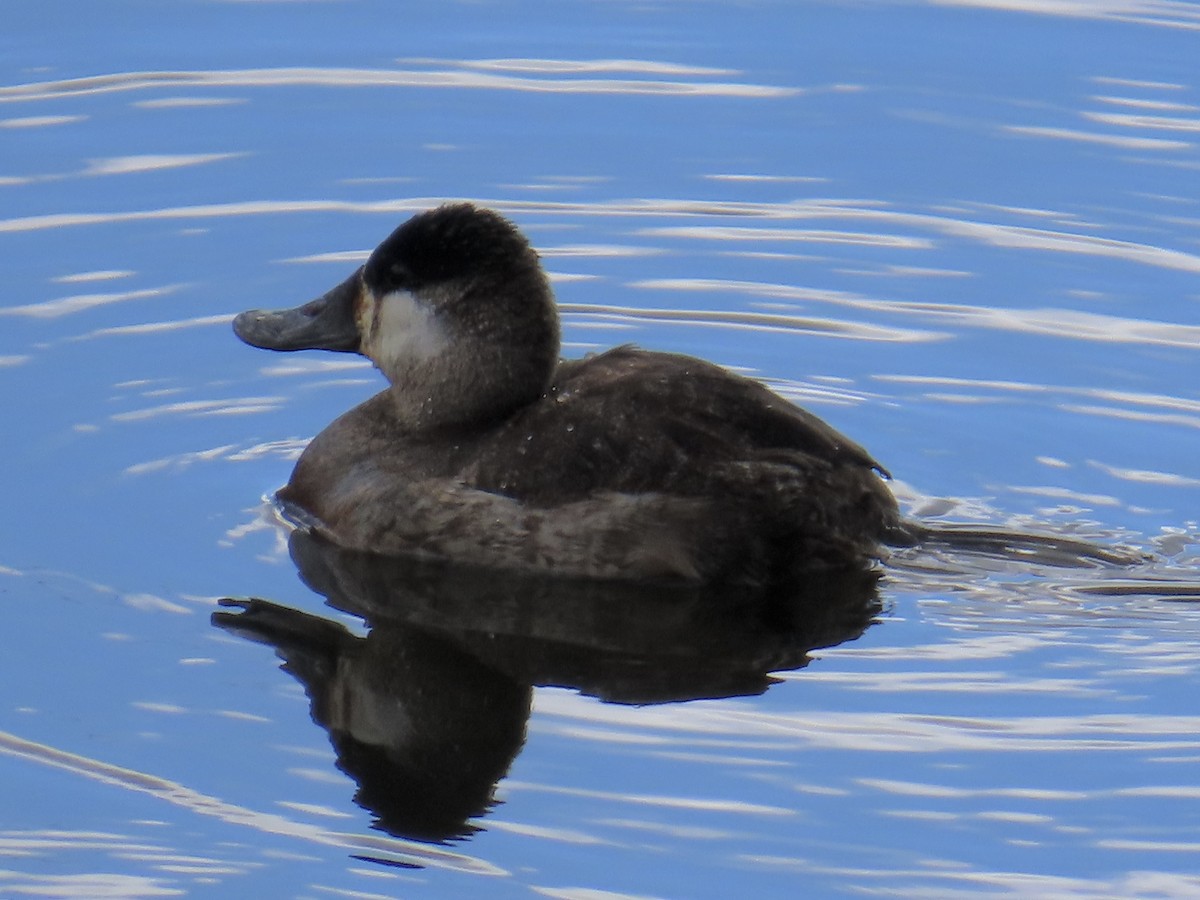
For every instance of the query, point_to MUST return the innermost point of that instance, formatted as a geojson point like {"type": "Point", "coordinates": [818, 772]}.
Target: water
{"type": "Point", "coordinates": [965, 235]}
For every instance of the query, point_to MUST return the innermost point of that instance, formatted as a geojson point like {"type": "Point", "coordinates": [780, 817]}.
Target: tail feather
{"type": "Point", "coordinates": [1054, 550]}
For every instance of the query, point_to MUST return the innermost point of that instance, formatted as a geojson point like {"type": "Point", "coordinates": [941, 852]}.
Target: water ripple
{"type": "Point", "coordinates": [388, 849]}
{"type": "Point", "coordinates": [453, 74]}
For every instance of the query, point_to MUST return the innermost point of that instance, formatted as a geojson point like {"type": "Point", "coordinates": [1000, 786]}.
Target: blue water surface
{"type": "Point", "coordinates": [966, 234]}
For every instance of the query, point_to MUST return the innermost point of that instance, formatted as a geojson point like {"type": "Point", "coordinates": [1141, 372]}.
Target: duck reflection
{"type": "Point", "coordinates": [427, 711]}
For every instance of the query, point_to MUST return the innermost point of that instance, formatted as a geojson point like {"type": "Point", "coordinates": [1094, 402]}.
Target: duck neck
{"type": "Point", "coordinates": [474, 387]}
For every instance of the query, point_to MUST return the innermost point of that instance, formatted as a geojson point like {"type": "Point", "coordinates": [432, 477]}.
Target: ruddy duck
{"type": "Point", "coordinates": [488, 449]}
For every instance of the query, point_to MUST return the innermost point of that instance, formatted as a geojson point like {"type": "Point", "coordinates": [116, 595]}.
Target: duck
{"type": "Point", "coordinates": [488, 449]}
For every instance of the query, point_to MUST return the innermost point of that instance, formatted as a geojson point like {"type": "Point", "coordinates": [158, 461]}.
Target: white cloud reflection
{"type": "Point", "coordinates": [576, 66]}
{"type": "Point", "coordinates": [125, 165]}
{"type": "Point", "coordinates": [1063, 323]}
{"type": "Point", "coordinates": [1144, 476]}
{"type": "Point", "coordinates": [97, 275]}
{"type": "Point", "coordinates": [288, 450]}
{"type": "Point", "coordinates": [98, 884]}
{"type": "Point", "coordinates": [187, 102]}
{"type": "Point", "coordinates": [559, 835]}
{"type": "Point", "coordinates": [1166, 13]}
{"type": "Point", "coordinates": [159, 327]}
{"type": "Point", "coordinates": [807, 235]}
{"type": "Point", "coordinates": [229, 407]}
{"type": "Point", "coordinates": [374, 844]}
{"type": "Point", "coordinates": [180, 460]}
{"type": "Point", "coordinates": [1132, 415]}
{"type": "Point", "coordinates": [741, 319]}
{"type": "Point", "coordinates": [662, 801]}
{"type": "Point", "coordinates": [1123, 142]}
{"type": "Point", "coordinates": [1139, 83]}
{"type": "Point", "coordinates": [889, 732]}
{"type": "Point", "coordinates": [65, 306]}
{"type": "Point", "coordinates": [1059, 493]}
{"type": "Point", "coordinates": [39, 121]}
{"type": "Point", "coordinates": [975, 683]}
{"type": "Point", "coordinates": [309, 366]}
{"type": "Point", "coordinates": [941, 791]}
{"type": "Point", "coordinates": [1159, 847]}
{"type": "Point", "coordinates": [586, 893]}
{"type": "Point", "coordinates": [1166, 123]}
{"type": "Point", "coordinates": [929, 879]}
{"type": "Point", "coordinates": [1160, 409]}
{"type": "Point", "coordinates": [597, 250]}
{"type": "Point", "coordinates": [349, 257]}
{"type": "Point", "coordinates": [538, 76]}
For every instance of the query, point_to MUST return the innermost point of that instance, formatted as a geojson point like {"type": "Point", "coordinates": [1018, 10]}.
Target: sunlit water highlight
{"type": "Point", "coordinates": [965, 233]}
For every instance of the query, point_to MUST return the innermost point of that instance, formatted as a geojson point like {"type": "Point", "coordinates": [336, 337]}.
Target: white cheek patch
{"type": "Point", "coordinates": [406, 331]}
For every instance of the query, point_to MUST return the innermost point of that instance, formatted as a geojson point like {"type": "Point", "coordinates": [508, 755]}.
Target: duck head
{"type": "Point", "coordinates": [454, 309]}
